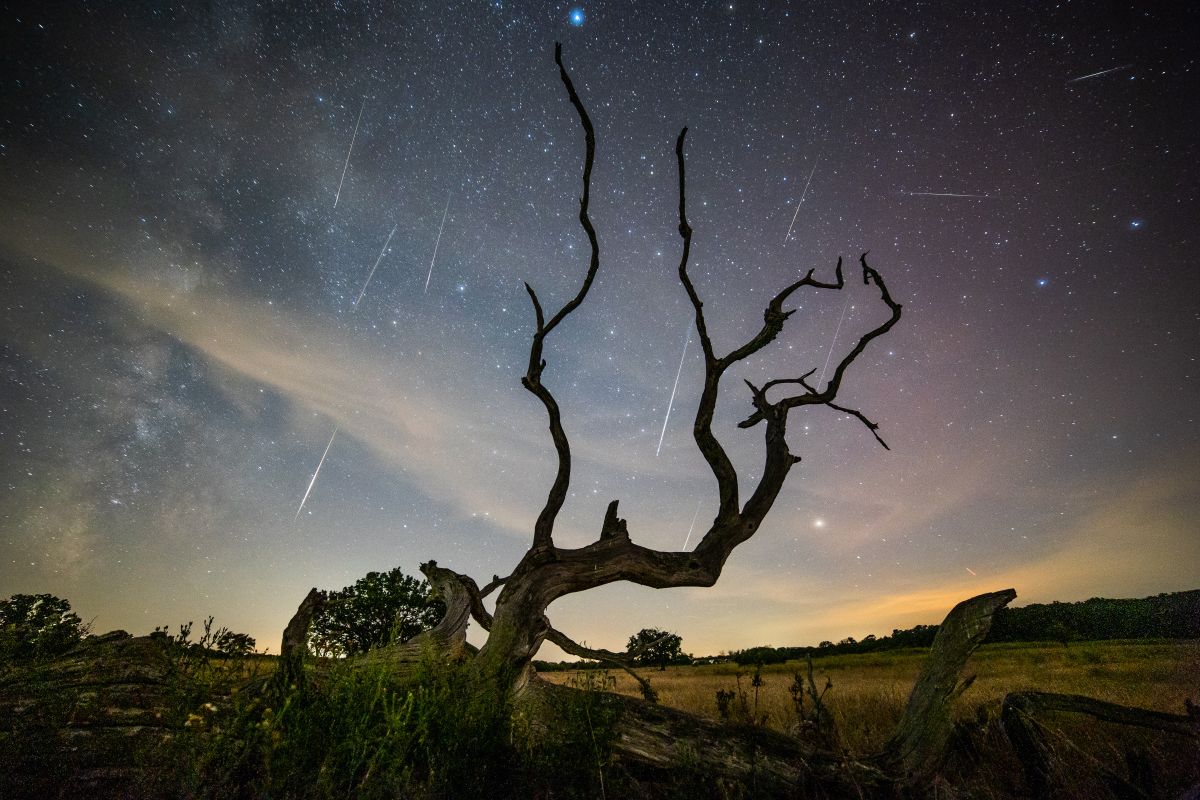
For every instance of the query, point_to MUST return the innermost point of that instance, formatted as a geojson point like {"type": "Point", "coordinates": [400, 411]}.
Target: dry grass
{"type": "Point", "coordinates": [869, 690]}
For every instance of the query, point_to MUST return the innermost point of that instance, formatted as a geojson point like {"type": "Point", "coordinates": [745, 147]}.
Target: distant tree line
{"type": "Point", "coordinates": [1164, 616]}
{"type": "Point", "coordinates": [1175, 615]}
{"type": "Point", "coordinates": [919, 636]}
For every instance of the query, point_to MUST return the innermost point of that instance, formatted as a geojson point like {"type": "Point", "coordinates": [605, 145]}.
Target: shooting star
{"type": "Point", "coordinates": [671, 402]}
{"type": "Point", "coordinates": [693, 525]}
{"type": "Point", "coordinates": [316, 472]}
{"type": "Point", "coordinates": [346, 166]}
{"type": "Point", "coordinates": [802, 195]}
{"type": "Point", "coordinates": [1098, 74]}
{"type": "Point", "coordinates": [372, 275]}
{"type": "Point", "coordinates": [836, 331]}
{"type": "Point", "coordinates": [435, 244]}
{"type": "Point", "coordinates": [942, 194]}
{"type": "Point", "coordinates": [968, 569]}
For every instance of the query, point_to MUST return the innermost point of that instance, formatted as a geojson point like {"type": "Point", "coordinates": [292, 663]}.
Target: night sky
{"type": "Point", "coordinates": [193, 197]}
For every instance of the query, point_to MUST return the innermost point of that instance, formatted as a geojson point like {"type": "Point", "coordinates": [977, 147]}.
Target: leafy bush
{"type": "Point", "coordinates": [34, 626]}
{"type": "Point", "coordinates": [378, 609]}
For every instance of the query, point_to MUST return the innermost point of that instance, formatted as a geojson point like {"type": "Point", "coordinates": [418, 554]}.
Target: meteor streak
{"type": "Point", "coordinates": [692, 526]}
{"type": "Point", "coordinates": [1098, 74]}
{"type": "Point", "coordinates": [316, 472]}
{"type": "Point", "coordinates": [435, 244]}
{"type": "Point", "coordinates": [372, 275]}
{"type": "Point", "coordinates": [836, 331]}
{"type": "Point", "coordinates": [802, 194]}
{"type": "Point", "coordinates": [671, 402]}
{"type": "Point", "coordinates": [968, 569]}
{"type": "Point", "coordinates": [346, 166]}
{"type": "Point", "coordinates": [943, 194]}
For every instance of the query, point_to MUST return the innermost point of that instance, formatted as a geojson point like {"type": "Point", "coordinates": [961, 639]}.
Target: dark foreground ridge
{"type": "Point", "coordinates": [142, 717]}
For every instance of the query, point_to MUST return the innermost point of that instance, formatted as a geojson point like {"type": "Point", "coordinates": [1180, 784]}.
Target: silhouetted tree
{"type": "Point", "coordinates": [547, 571]}
{"type": "Point", "coordinates": [37, 625]}
{"type": "Point", "coordinates": [653, 647]}
{"type": "Point", "coordinates": [379, 609]}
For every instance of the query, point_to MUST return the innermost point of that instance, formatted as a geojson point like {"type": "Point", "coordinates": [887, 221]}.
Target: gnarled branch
{"type": "Point", "coordinates": [547, 572]}
{"type": "Point", "coordinates": [569, 645]}
{"type": "Point", "coordinates": [460, 592]}
{"type": "Point", "coordinates": [710, 447]}
{"type": "Point", "coordinates": [544, 527]}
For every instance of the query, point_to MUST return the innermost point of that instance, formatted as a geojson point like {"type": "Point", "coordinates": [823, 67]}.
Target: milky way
{"type": "Point", "coordinates": [190, 196]}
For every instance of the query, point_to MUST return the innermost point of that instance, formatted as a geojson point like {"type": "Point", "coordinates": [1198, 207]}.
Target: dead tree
{"type": "Point", "coordinates": [649, 735]}
{"type": "Point", "coordinates": [547, 571]}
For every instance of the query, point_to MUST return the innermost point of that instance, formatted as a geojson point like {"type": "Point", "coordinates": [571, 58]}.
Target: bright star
{"type": "Point", "coordinates": [576, 17]}
{"type": "Point", "coordinates": [1136, 224]}
{"type": "Point", "coordinates": [1042, 281]}
{"type": "Point", "coordinates": [818, 523]}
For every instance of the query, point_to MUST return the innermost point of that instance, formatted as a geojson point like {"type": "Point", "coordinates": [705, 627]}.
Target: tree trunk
{"type": "Point", "coordinates": [517, 630]}
{"type": "Point", "coordinates": [919, 742]}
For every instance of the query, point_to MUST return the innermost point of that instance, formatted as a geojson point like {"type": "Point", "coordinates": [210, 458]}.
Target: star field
{"type": "Point", "coordinates": [228, 231]}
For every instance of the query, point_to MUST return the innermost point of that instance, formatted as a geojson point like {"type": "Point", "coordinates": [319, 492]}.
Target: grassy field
{"type": "Point", "coordinates": [869, 690]}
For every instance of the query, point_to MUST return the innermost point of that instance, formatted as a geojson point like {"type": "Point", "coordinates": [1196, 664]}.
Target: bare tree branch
{"type": "Point", "coordinates": [710, 447]}
{"type": "Point", "coordinates": [495, 583]}
{"type": "Point", "coordinates": [774, 316]}
{"type": "Point", "coordinates": [869, 276]}
{"type": "Point", "coordinates": [547, 572]}
{"type": "Point", "coordinates": [460, 590]}
{"type": "Point", "coordinates": [569, 645]}
{"type": "Point", "coordinates": [873, 427]}
{"type": "Point", "coordinates": [544, 527]}
{"type": "Point", "coordinates": [614, 557]}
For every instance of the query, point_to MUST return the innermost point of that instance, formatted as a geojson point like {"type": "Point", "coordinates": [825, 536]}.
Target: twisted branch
{"type": "Point", "coordinates": [544, 527]}
{"type": "Point", "coordinates": [569, 645]}
{"type": "Point", "coordinates": [547, 572]}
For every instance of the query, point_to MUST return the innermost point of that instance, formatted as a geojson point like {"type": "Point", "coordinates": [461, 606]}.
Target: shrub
{"type": "Point", "coordinates": [361, 730]}
{"type": "Point", "coordinates": [34, 626]}
{"type": "Point", "coordinates": [378, 609]}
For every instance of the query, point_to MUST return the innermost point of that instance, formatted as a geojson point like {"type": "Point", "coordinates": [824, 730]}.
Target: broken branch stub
{"type": "Point", "coordinates": [917, 747]}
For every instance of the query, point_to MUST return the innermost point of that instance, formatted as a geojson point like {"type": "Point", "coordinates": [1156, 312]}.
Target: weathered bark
{"type": "Point", "coordinates": [917, 747]}
{"type": "Point", "coordinates": [660, 746]}
{"type": "Point", "coordinates": [294, 646]}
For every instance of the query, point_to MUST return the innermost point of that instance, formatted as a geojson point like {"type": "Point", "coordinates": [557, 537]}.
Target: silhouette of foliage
{"type": "Point", "coordinates": [221, 640]}
{"type": "Point", "coordinates": [36, 626]}
{"type": "Point", "coordinates": [652, 647]}
{"type": "Point", "coordinates": [1165, 616]}
{"type": "Point", "coordinates": [378, 609]}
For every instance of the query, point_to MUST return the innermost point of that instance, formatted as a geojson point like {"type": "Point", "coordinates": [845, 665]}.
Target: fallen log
{"type": "Point", "coordinates": [1019, 717]}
